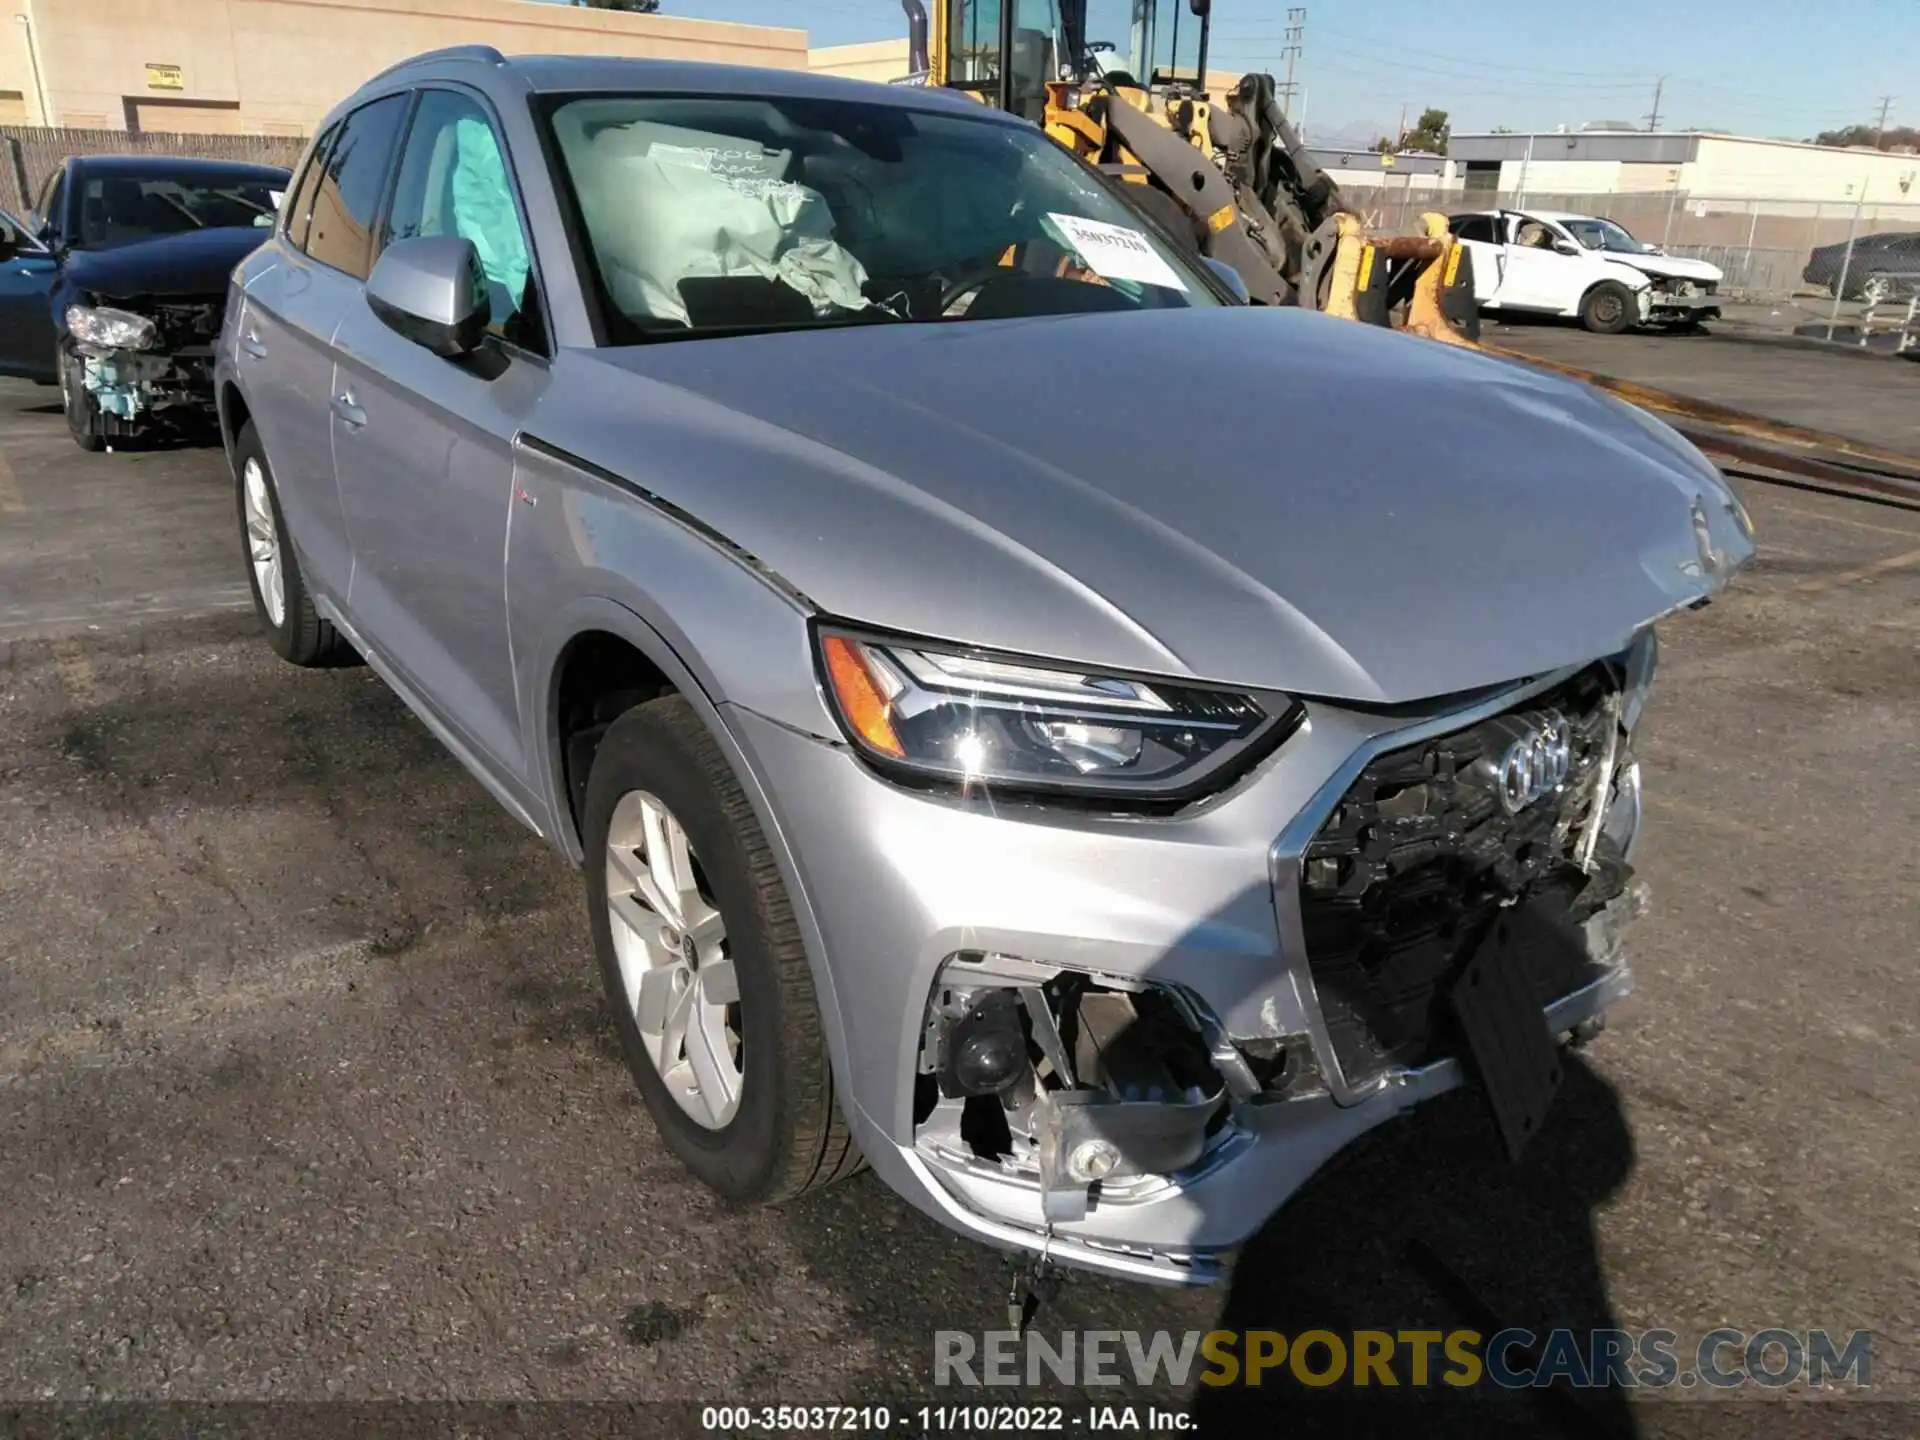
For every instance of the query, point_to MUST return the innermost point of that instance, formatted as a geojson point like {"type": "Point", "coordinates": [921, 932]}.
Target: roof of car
{"type": "Point", "coordinates": [564, 73]}
{"type": "Point", "coordinates": [169, 166]}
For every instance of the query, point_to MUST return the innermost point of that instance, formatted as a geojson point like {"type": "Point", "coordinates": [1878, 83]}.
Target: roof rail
{"type": "Point", "coordinates": [485, 54]}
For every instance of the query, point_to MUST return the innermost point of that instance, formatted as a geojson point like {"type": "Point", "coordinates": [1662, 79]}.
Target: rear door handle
{"type": "Point", "coordinates": [351, 415]}
{"type": "Point", "coordinates": [250, 342]}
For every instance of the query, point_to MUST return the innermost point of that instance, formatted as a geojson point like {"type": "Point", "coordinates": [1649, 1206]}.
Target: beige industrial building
{"type": "Point", "coordinates": [881, 60]}
{"type": "Point", "coordinates": [273, 67]}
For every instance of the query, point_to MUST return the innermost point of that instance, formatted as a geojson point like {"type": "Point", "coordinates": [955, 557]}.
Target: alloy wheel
{"type": "Point", "coordinates": [263, 542]}
{"type": "Point", "coordinates": [676, 968]}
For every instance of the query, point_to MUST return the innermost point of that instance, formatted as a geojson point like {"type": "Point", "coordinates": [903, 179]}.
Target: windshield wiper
{"type": "Point", "coordinates": [181, 206]}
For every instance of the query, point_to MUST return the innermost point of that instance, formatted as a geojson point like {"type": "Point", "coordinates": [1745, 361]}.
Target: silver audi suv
{"type": "Point", "coordinates": [1030, 723]}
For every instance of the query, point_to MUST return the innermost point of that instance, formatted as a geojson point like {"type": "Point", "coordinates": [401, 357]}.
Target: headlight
{"type": "Point", "coordinates": [111, 329]}
{"type": "Point", "coordinates": [964, 717]}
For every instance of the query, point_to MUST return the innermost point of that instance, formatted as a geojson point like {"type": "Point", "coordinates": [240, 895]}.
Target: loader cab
{"type": "Point", "coordinates": [1006, 51]}
{"type": "Point", "coordinates": [1002, 51]}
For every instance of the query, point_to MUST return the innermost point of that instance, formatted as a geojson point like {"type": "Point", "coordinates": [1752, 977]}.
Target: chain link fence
{"type": "Point", "coordinates": [30, 153]}
{"type": "Point", "coordinates": [1763, 245]}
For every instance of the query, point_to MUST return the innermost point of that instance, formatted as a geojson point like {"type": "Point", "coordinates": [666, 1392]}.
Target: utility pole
{"type": "Point", "coordinates": [1401, 134]}
{"type": "Point", "coordinates": [1653, 118]}
{"type": "Point", "coordinates": [1880, 128]}
{"type": "Point", "coordinates": [1296, 27]}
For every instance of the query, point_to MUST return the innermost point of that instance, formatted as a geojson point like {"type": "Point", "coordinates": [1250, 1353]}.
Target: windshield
{"type": "Point", "coordinates": [1604, 235]}
{"type": "Point", "coordinates": [717, 214]}
{"type": "Point", "coordinates": [119, 209]}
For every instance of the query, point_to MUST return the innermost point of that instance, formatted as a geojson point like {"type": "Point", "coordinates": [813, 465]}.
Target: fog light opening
{"type": "Point", "coordinates": [1090, 1085]}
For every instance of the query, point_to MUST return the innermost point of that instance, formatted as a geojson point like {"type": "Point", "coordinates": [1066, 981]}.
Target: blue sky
{"type": "Point", "coordinates": [1766, 67]}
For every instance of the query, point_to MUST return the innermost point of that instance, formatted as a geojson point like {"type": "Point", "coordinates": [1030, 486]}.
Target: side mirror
{"type": "Point", "coordinates": [9, 243]}
{"type": "Point", "coordinates": [1200, 7]}
{"type": "Point", "coordinates": [432, 290]}
{"type": "Point", "coordinates": [1566, 247]}
{"type": "Point", "coordinates": [1229, 277]}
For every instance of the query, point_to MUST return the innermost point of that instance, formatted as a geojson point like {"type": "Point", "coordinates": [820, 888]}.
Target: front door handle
{"type": "Point", "coordinates": [250, 342]}
{"type": "Point", "coordinates": [351, 415]}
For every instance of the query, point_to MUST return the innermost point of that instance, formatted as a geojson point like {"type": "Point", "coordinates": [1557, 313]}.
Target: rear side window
{"type": "Point", "coordinates": [300, 209]}
{"type": "Point", "coordinates": [1474, 227]}
{"type": "Point", "coordinates": [351, 185]}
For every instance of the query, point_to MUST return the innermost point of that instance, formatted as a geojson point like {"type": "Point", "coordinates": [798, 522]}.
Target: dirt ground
{"type": "Point", "coordinates": [306, 1092]}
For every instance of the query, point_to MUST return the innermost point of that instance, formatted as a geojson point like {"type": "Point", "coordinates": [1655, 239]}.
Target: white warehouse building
{"type": "Point", "coordinates": [1725, 167]}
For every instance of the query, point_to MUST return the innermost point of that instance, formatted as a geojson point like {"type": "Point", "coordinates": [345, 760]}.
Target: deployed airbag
{"type": "Point", "coordinates": [667, 203]}
{"type": "Point", "coordinates": [483, 212]}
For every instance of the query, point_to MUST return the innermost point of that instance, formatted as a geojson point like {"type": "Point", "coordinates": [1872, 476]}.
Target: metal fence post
{"type": "Point", "coordinates": [17, 167]}
{"type": "Point", "coordinates": [1753, 229]}
{"type": "Point", "coordinates": [1666, 235]}
{"type": "Point", "coordinates": [1813, 239]}
{"type": "Point", "coordinates": [1846, 257]}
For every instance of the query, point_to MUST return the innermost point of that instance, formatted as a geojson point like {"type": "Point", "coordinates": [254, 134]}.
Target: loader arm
{"type": "Point", "coordinates": [1234, 181]}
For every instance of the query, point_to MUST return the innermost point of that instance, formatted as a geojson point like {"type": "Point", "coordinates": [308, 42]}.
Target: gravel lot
{"type": "Point", "coordinates": [306, 1093]}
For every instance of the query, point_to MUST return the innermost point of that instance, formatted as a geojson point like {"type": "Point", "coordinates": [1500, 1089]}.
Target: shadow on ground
{"type": "Point", "coordinates": [1424, 1224]}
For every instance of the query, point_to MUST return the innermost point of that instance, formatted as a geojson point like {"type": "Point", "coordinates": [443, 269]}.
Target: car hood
{"type": "Point", "coordinates": [1679, 267]}
{"type": "Point", "coordinates": [194, 262]}
{"type": "Point", "coordinates": [1260, 496]}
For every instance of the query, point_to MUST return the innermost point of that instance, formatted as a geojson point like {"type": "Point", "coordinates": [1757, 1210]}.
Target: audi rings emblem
{"type": "Point", "coordinates": [1536, 764]}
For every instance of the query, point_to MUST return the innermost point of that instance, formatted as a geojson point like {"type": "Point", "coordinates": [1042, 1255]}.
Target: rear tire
{"type": "Point", "coordinates": [84, 421]}
{"type": "Point", "coordinates": [280, 597]}
{"type": "Point", "coordinates": [1608, 308]}
{"type": "Point", "coordinates": [780, 1134]}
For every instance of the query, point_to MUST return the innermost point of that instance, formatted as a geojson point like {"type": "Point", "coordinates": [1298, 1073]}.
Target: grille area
{"type": "Point", "coordinates": [1406, 876]}
{"type": "Point", "coordinates": [184, 324]}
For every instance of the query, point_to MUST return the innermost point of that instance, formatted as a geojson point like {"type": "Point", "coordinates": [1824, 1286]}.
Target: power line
{"type": "Point", "coordinates": [1488, 82]}
{"type": "Point", "coordinates": [1610, 80]}
{"type": "Point", "coordinates": [1228, 36]}
{"type": "Point", "coordinates": [1371, 69]}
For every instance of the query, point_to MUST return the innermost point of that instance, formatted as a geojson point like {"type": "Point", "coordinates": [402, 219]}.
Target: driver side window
{"type": "Point", "coordinates": [454, 181]}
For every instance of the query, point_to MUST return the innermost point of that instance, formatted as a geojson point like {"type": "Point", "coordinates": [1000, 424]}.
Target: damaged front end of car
{"type": "Point", "coordinates": [145, 363]}
{"type": "Point", "coordinates": [1678, 300]}
{"type": "Point", "coordinates": [1136, 1123]}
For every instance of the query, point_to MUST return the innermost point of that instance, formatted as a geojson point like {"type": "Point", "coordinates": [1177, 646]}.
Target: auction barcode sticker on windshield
{"type": "Point", "coordinates": [1115, 252]}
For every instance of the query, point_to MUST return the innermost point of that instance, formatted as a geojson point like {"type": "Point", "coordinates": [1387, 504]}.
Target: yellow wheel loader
{"type": "Point", "coordinates": [1122, 84]}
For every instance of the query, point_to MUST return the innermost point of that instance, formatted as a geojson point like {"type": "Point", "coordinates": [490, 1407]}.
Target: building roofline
{"type": "Point", "coordinates": [1668, 135]}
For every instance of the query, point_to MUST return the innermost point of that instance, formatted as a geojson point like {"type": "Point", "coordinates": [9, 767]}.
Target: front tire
{"type": "Point", "coordinates": [1608, 308]}
{"type": "Point", "coordinates": [280, 597]}
{"type": "Point", "coordinates": [701, 958]}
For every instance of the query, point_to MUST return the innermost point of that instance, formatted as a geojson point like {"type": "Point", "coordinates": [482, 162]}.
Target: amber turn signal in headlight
{"type": "Point", "coordinates": [921, 710]}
